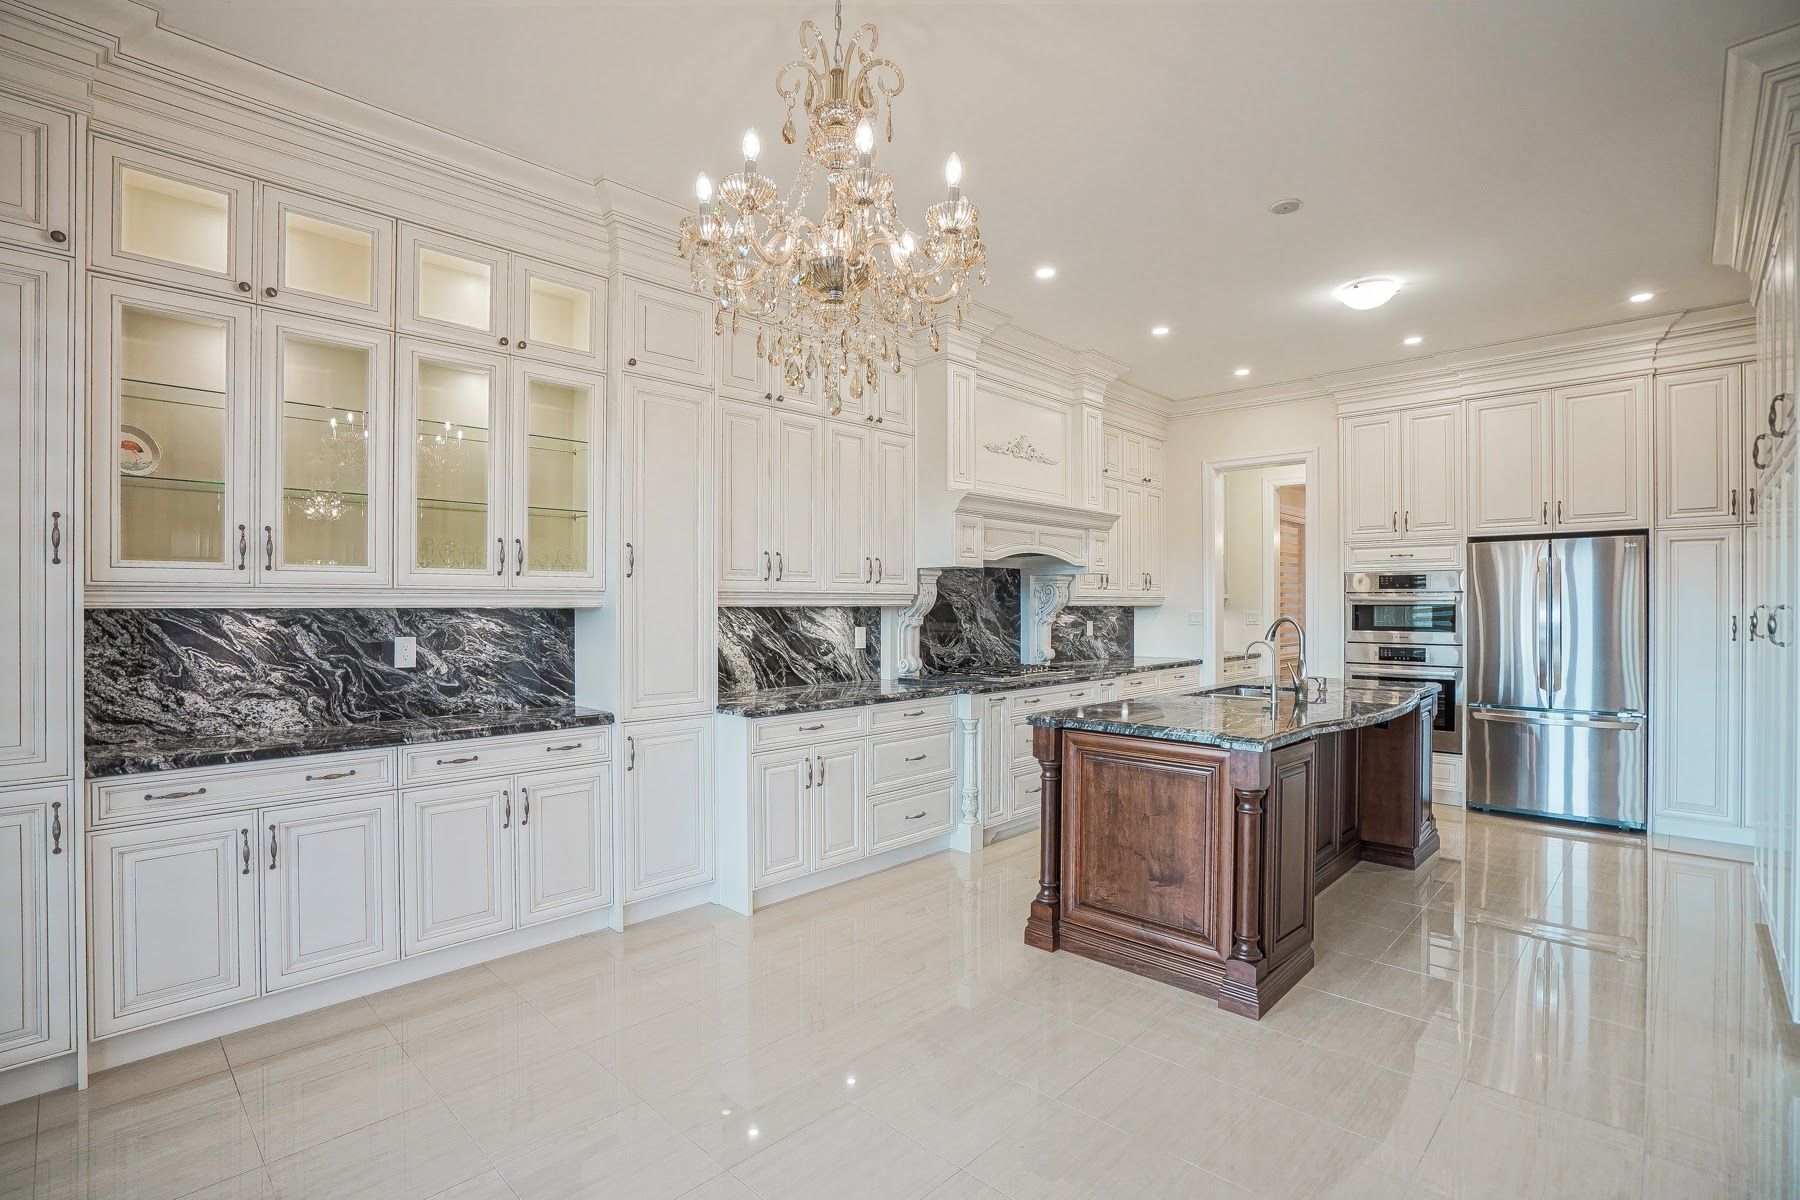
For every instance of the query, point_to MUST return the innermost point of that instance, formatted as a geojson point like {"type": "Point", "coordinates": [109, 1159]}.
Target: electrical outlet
{"type": "Point", "coordinates": [862, 637]}
{"type": "Point", "coordinates": [1196, 617]}
{"type": "Point", "coordinates": [1090, 629]}
{"type": "Point", "coordinates": [406, 652]}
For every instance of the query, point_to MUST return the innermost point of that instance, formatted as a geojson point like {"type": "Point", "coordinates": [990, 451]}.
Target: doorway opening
{"type": "Point", "coordinates": [1263, 524]}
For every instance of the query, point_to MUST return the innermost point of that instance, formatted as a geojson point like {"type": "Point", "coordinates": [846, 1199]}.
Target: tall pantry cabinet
{"type": "Point", "coordinates": [650, 657]}
{"type": "Point", "coordinates": [39, 822]}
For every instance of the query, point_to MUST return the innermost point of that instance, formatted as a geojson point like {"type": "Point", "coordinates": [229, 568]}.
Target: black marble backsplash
{"type": "Point", "coordinates": [168, 674]}
{"type": "Point", "coordinates": [975, 625]}
{"type": "Point", "coordinates": [795, 647]}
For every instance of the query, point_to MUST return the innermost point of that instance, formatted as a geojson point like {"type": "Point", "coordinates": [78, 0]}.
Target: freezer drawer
{"type": "Point", "coordinates": [1567, 766]}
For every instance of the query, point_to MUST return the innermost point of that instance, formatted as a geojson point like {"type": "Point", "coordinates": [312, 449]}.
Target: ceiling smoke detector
{"type": "Point", "coordinates": [1282, 208]}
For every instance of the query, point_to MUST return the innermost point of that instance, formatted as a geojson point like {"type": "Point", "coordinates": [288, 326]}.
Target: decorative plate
{"type": "Point", "coordinates": [138, 452]}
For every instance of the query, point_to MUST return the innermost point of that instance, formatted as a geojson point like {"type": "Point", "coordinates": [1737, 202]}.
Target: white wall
{"type": "Point", "coordinates": [1294, 427]}
{"type": "Point", "coordinates": [1249, 552]}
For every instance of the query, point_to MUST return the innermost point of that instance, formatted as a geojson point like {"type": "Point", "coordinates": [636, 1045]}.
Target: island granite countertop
{"type": "Point", "coordinates": [821, 697]}
{"type": "Point", "coordinates": [1240, 722]}
{"type": "Point", "coordinates": [132, 758]}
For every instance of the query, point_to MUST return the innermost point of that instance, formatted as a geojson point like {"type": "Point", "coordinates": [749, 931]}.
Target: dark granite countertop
{"type": "Point", "coordinates": [105, 762]}
{"type": "Point", "coordinates": [775, 702]}
{"type": "Point", "coordinates": [1240, 722]}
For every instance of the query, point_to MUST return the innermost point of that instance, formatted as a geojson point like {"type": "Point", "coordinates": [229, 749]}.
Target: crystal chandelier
{"type": "Point", "coordinates": [834, 296]}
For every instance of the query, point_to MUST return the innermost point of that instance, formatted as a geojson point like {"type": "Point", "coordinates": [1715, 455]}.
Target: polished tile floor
{"type": "Point", "coordinates": [1534, 1013]}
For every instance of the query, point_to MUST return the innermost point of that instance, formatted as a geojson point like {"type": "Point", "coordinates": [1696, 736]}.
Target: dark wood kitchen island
{"type": "Point", "coordinates": [1184, 837]}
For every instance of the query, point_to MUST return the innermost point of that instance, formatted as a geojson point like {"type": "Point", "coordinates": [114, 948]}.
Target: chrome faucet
{"type": "Point", "coordinates": [1298, 680]}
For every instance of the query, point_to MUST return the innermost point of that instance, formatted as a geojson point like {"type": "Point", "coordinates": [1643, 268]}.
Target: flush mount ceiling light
{"type": "Point", "coordinates": [840, 291]}
{"type": "Point", "coordinates": [1414, 340]}
{"type": "Point", "coordinates": [1367, 293]}
{"type": "Point", "coordinates": [1159, 331]}
{"type": "Point", "coordinates": [1641, 297]}
{"type": "Point", "coordinates": [1046, 272]}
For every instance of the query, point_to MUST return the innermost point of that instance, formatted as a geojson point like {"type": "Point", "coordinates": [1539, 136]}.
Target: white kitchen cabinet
{"type": "Point", "coordinates": [324, 513]}
{"type": "Point", "coordinates": [563, 844]}
{"type": "Point", "coordinates": [890, 511]}
{"type": "Point", "coordinates": [325, 258]}
{"type": "Point", "coordinates": [557, 314]}
{"type": "Point", "coordinates": [331, 896]}
{"type": "Point", "coordinates": [38, 528]}
{"type": "Point", "coordinates": [1600, 451]}
{"type": "Point", "coordinates": [667, 333]}
{"type": "Point", "coordinates": [454, 288]}
{"type": "Point", "coordinates": [798, 503]}
{"type": "Point", "coordinates": [37, 175]}
{"type": "Point", "coordinates": [172, 922]}
{"type": "Point", "coordinates": [741, 371]}
{"type": "Point", "coordinates": [896, 409]}
{"type": "Point", "coordinates": [1402, 475]}
{"type": "Point", "coordinates": [1150, 543]}
{"type": "Point", "coordinates": [170, 490]}
{"type": "Point", "coordinates": [746, 498]}
{"type": "Point", "coordinates": [1371, 471]}
{"type": "Point", "coordinates": [1699, 447]}
{"type": "Point", "coordinates": [36, 981]}
{"type": "Point", "coordinates": [556, 463]}
{"type": "Point", "coordinates": [456, 863]}
{"type": "Point", "coordinates": [849, 561]}
{"type": "Point", "coordinates": [667, 610]}
{"type": "Point", "coordinates": [163, 218]}
{"type": "Point", "coordinates": [781, 786]}
{"type": "Point", "coordinates": [667, 801]}
{"type": "Point", "coordinates": [837, 805]}
{"type": "Point", "coordinates": [451, 488]}
{"type": "Point", "coordinates": [1509, 464]}
{"type": "Point", "coordinates": [1696, 664]}
{"type": "Point", "coordinates": [1431, 482]}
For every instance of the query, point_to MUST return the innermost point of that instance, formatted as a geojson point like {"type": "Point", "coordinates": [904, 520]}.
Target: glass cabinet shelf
{"type": "Point", "coordinates": [152, 391]}
{"type": "Point", "coordinates": [171, 483]}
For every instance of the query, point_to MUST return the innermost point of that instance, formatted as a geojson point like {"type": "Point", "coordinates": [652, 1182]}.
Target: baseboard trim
{"type": "Point", "coordinates": [34, 1079]}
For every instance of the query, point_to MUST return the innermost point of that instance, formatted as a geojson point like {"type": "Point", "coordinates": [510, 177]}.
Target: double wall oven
{"type": "Point", "coordinates": [1406, 627]}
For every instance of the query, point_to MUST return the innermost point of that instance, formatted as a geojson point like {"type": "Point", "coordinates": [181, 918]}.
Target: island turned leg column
{"type": "Point", "coordinates": [1274, 802]}
{"type": "Point", "coordinates": [1041, 927]}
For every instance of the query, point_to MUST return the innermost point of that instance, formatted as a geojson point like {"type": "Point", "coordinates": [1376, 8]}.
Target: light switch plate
{"type": "Point", "coordinates": [862, 637]}
{"type": "Point", "coordinates": [406, 652]}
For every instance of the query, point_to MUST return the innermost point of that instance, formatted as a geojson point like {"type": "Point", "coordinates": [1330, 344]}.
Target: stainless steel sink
{"type": "Point", "coordinates": [1249, 691]}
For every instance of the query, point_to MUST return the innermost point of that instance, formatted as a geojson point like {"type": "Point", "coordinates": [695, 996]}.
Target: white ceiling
{"type": "Point", "coordinates": [1522, 165]}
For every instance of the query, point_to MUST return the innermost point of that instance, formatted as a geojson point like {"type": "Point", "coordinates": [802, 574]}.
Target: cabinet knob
{"type": "Point", "coordinates": [506, 341]}
{"type": "Point", "coordinates": [58, 236]}
{"type": "Point", "coordinates": [269, 292]}
{"type": "Point", "coordinates": [243, 285]}
{"type": "Point", "coordinates": [521, 345]}
{"type": "Point", "coordinates": [631, 362]}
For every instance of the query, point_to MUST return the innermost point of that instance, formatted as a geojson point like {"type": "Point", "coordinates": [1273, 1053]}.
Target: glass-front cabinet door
{"type": "Point", "coordinates": [558, 456]}
{"type": "Point", "coordinates": [559, 315]}
{"type": "Point", "coordinates": [322, 257]}
{"type": "Point", "coordinates": [169, 474]}
{"type": "Point", "coordinates": [451, 287]}
{"type": "Point", "coordinates": [326, 437]}
{"type": "Point", "coordinates": [164, 218]}
{"type": "Point", "coordinates": [452, 458]}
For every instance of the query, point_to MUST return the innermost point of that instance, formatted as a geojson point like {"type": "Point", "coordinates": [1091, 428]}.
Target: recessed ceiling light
{"type": "Point", "coordinates": [1241, 372]}
{"type": "Point", "coordinates": [1283, 208]}
{"type": "Point", "coordinates": [1046, 272]}
{"type": "Point", "coordinates": [1368, 293]}
{"type": "Point", "coordinates": [1159, 331]}
{"type": "Point", "coordinates": [1641, 297]}
{"type": "Point", "coordinates": [1414, 340]}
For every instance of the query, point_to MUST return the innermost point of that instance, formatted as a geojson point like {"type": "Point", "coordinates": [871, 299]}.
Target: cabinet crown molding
{"type": "Point", "coordinates": [1758, 138]}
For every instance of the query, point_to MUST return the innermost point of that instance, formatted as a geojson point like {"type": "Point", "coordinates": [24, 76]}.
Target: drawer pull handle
{"type": "Point", "coordinates": [244, 840]}
{"type": "Point", "coordinates": [811, 728]}
{"type": "Point", "coordinates": [506, 818]}
{"type": "Point", "coordinates": [916, 816]}
{"type": "Point", "coordinates": [1034, 791]}
{"type": "Point", "coordinates": [917, 712]}
{"type": "Point", "coordinates": [918, 758]}
{"type": "Point", "coordinates": [330, 775]}
{"type": "Point", "coordinates": [273, 845]}
{"type": "Point", "coordinates": [452, 762]}
{"type": "Point", "coordinates": [525, 818]}
{"type": "Point", "coordinates": [175, 795]}
{"type": "Point", "coordinates": [560, 749]}
{"type": "Point", "coordinates": [56, 827]}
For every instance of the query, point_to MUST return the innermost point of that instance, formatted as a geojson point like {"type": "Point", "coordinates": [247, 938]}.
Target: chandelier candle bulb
{"type": "Point", "coordinates": [752, 149]}
{"type": "Point", "coordinates": [953, 176]}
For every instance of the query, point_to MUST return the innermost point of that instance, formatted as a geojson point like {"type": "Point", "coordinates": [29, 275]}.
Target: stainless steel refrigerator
{"type": "Point", "coordinates": [1558, 678]}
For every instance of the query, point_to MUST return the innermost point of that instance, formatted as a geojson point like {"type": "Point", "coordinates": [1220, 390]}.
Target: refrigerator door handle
{"type": "Point", "coordinates": [1626, 722]}
{"type": "Point", "coordinates": [1556, 626]}
{"type": "Point", "coordinates": [1541, 601]}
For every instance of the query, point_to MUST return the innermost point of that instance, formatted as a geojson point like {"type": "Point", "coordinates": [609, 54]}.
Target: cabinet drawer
{"type": "Point", "coordinates": [905, 758]}
{"type": "Point", "coordinates": [1019, 743]}
{"type": "Point", "coordinates": [807, 727]}
{"type": "Point", "coordinates": [179, 793]}
{"type": "Point", "coordinates": [922, 712]}
{"type": "Point", "coordinates": [1049, 698]}
{"type": "Point", "coordinates": [475, 758]}
{"type": "Point", "coordinates": [1447, 772]}
{"type": "Point", "coordinates": [1027, 794]}
{"type": "Point", "coordinates": [1418, 554]}
{"type": "Point", "coordinates": [910, 817]}
{"type": "Point", "coordinates": [1138, 685]}
{"type": "Point", "coordinates": [1178, 679]}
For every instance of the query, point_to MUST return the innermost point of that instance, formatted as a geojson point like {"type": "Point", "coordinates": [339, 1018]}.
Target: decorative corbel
{"type": "Point", "coordinates": [900, 656]}
{"type": "Point", "coordinates": [1041, 597]}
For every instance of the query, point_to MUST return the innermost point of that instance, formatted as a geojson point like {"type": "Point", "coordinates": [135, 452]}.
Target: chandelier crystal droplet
{"type": "Point", "coordinates": [838, 294]}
